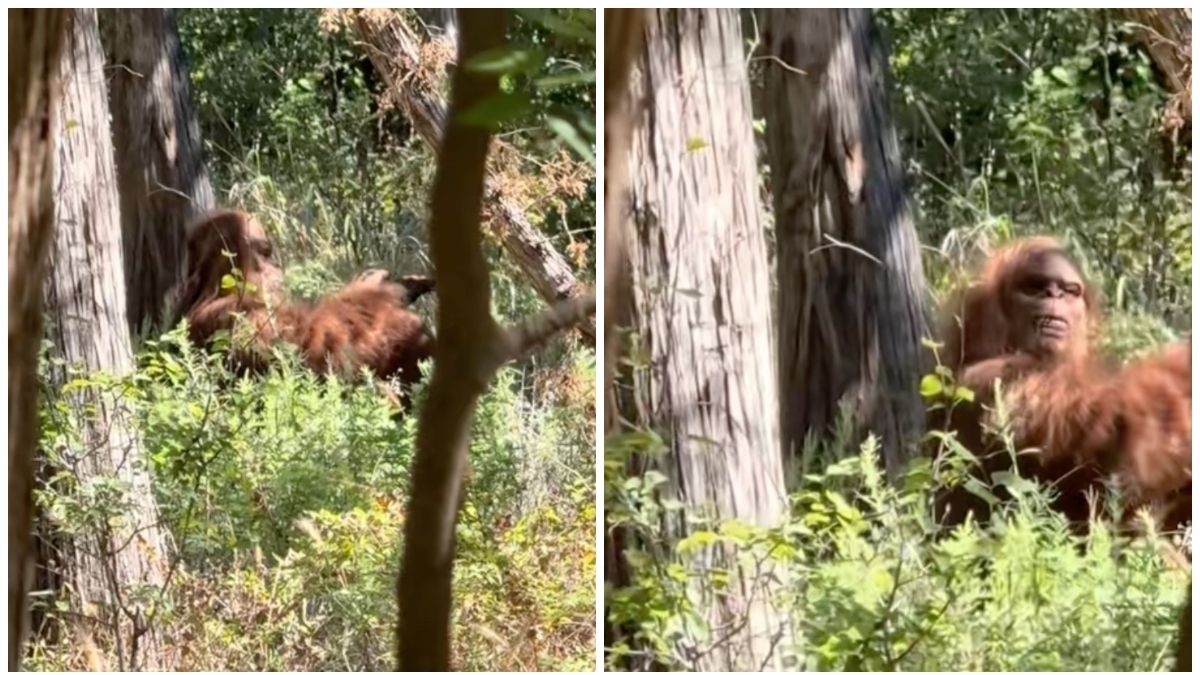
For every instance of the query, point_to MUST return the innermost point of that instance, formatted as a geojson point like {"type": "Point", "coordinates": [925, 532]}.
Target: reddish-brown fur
{"type": "Point", "coordinates": [1089, 420]}
{"type": "Point", "coordinates": [366, 324]}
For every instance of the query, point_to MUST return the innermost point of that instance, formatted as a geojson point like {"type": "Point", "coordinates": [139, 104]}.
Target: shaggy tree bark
{"type": "Point", "coordinates": [161, 177]}
{"type": "Point", "coordinates": [850, 284]}
{"type": "Point", "coordinates": [471, 347]}
{"type": "Point", "coordinates": [115, 558]}
{"type": "Point", "coordinates": [396, 52]}
{"type": "Point", "coordinates": [701, 300]}
{"type": "Point", "coordinates": [35, 42]}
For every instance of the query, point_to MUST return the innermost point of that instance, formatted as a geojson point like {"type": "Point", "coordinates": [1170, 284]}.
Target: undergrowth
{"type": "Point", "coordinates": [285, 495]}
{"type": "Point", "coordinates": [862, 577]}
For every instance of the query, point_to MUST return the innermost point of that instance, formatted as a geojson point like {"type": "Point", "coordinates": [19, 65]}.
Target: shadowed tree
{"type": "Point", "coordinates": [161, 178]}
{"type": "Point", "coordinates": [851, 298]}
{"type": "Point", "coordinates": [36, 38]}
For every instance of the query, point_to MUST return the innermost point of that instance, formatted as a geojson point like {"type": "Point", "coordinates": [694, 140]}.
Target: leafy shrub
{"type": "Point", "coordinates": [864, 579]}
{"type": "Point", "coordinates": [285, 495]}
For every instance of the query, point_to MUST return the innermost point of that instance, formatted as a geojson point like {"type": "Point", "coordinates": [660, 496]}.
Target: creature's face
{"type": "Point", "coordinates": [259, 257]}
{"type": "Point", "coordinates": [1047, 306]}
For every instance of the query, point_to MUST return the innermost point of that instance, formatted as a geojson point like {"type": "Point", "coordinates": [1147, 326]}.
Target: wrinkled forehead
{"type": "Point", "coordinates": [253, 229]}
{"type": "Point", "coordinates": [1048, 265]}
{"type": "Point", "coordinates": [228, 230]}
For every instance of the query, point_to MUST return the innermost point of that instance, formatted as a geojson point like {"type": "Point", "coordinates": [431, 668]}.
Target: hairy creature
{"type": "Point", "coordinates": [1029, 322]}
{"type": "Point", "coordinates": [234, 284]}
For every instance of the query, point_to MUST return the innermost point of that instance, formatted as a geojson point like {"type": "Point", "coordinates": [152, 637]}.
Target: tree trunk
{"type": "Point", "coordinates": [162, 182]}
{"type": "Point", "coordinates": [701, 298]}
{"type": "Point", "coordinates": [850, 286]}
{"type": "Point", "coordinates": [35, 42]}
{"type": "Point", "coordinates": [85, 297]}
{"type": "Point", "coordinates": [623, 32]}
{"type": "Point", "coordinates": [471, 347]}
{"type": "Point", "coordinates": [396, 51]}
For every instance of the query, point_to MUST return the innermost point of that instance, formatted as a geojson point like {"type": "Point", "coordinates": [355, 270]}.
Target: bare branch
{"type": "Point", "coordinates": [535, 330]}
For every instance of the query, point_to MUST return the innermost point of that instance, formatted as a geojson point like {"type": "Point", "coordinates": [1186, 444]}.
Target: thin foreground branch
{"type": "Point", "coordinates": [461, 373]}
{"type": "Point", "coordinates": [470, 349]}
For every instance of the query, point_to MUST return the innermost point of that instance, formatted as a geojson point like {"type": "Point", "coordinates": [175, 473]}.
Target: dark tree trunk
{"type": "Point", "coordinates": [162, 182]}
{"type": "Point", "coordinates": [395, 49]}
{"type": "Point", "coordinates": [105, 566]}
{"type": "Point", "coordinates": [850, 286]}
{"type": "Point", "coordinates": [35, 42]}
{"type": "Point", "coordinates": [623, 32]}
{"type": "Point", "coordinates": [702, 307]}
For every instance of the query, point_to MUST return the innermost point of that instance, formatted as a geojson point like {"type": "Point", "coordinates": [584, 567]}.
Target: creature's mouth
{"type": "Point", "coordinates": [1052, 327]}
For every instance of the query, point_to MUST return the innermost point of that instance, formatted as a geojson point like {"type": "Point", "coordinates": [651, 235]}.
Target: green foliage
{"type": "Point", "coordinates": [285, 495]}
{"type": "Point", "coordinates": [863, 578]}
{"type": "Point", "coordinates": [1024, 121]}
{"type": "Point", "coordinates": [299, 130]}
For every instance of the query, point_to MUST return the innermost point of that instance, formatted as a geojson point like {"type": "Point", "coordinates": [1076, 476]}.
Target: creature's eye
{"type": "Point", "coordinates": [1073, 289]}
{"type": "Point", "coordinates": [1032, 286]}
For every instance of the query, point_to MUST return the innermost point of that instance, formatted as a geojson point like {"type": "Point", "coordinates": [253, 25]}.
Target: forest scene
{"type": "Point", "coordinates": [897, 340]}
{"type": "Point", "coordinates": [302, 340]}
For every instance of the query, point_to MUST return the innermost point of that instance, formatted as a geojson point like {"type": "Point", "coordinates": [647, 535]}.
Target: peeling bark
{"type": "Point", "coordinates": [162, 181]}
{"type": "Point", "coordinates": [107, 569]}
{"type": "Point", "coordinates": [851, 291]}
{"type": "Point", "coordinates": [702, 307]}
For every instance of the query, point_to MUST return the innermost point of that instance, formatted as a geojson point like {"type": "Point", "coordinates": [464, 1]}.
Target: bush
{"type": "Point", "coordinates": [867, 581]}
{"type": "Point", "coordinates": [285, 495]}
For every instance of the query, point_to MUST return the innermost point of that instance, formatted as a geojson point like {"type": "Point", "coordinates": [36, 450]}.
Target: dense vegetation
{"type": "Point", "coordinates": [1017, 122]}
{"type": "Point", "coordinates": [285, 494]}
{"type": "Point", "coordinates": [1012, 123]}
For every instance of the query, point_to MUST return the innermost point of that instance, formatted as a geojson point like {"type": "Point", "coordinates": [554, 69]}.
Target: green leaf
{"type": "Point", "coordinates": [931, 385]}
{"type": "Point", "coordinates": [571, 136]}
{"type": "Point", "coordinates": [980, 490]}
{"type": "Point", "coordinates": [552, 20]}
{"type": "Point", "coordinates": [506, 60]}
{"type": "Point", "coordinates": [228, 282]}
{"type": "Point", "coordinates": [552, 82]}
{"type": "Point", "coordinates": [496, 110]}
{"type": "Point", "coordinates": [696, 144]}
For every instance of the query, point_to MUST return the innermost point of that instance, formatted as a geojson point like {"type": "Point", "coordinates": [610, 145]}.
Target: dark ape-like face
{"type": "Point", "coordinates": [1047, 307]}
{"type": "Point", "coordinates": [260, 260]}
{"type": "Point", "coordinates": [239, 234]}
